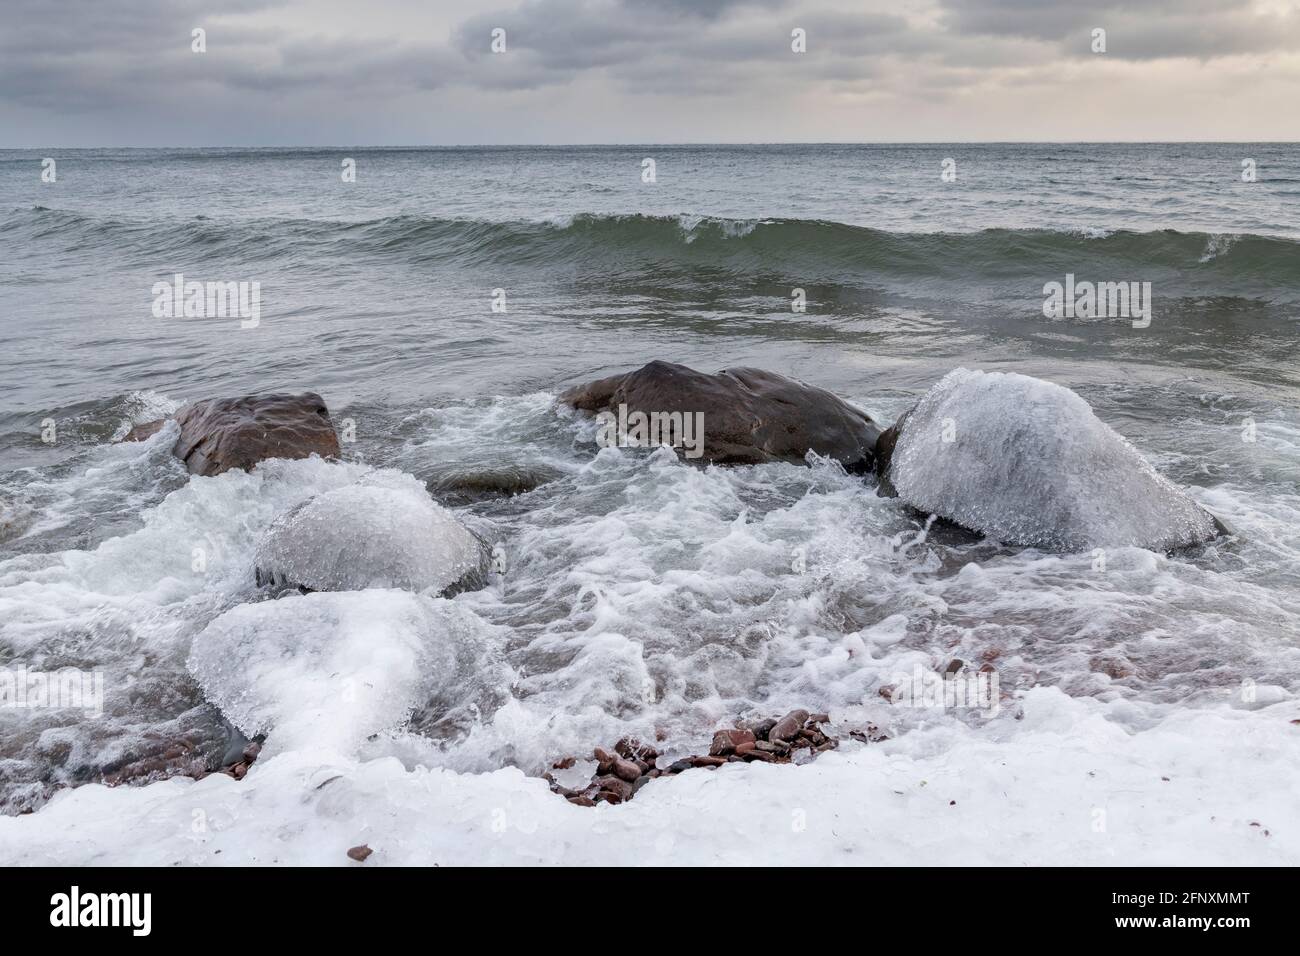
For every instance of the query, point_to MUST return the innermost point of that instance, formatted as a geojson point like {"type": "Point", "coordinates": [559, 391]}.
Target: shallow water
{"type": "Point", "coordinates": [641, 595]}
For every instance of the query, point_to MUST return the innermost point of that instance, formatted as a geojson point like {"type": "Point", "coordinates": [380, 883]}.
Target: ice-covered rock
{"type": "Point", "coordinates": [387, 533]}
{"type": "Point", "coordinates": [327, 669]}
{"type": "Point", "coordinates": [1027, 462]}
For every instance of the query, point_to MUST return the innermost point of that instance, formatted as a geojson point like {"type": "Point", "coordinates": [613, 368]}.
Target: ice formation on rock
{"type": "Point", "coordinates": [325, 669]}
{"type": "Point", "coordinates": [374, 535]}
{"type": "Point", "coordinates": [1027, 462]}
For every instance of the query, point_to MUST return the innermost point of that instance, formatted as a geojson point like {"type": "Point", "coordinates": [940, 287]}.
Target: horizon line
{"type": "Point", "coordinates": [718, 143]}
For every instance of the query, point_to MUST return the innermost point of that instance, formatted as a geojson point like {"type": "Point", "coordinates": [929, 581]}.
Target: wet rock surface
{"type": "Point", "coordinates": [750, 416]}
{"type": "Point", "coordinates": [632, 764]}
{"type": "Point", "coordinates": [184, 756]}
{"type": "Point", "coordinates": [218, 434]}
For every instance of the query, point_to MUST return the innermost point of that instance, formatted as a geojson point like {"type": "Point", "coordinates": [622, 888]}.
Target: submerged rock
{"type": "Point", "coordinates": [746, 415]}
{"type": "Point", "coordinates": [372, 536]}
{"type": "Point", "coordinates": [1027, 462]}
{"type": "Point", "coordinates": [218, 434]}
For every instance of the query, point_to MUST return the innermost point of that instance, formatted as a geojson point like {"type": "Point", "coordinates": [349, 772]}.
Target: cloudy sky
{"type": "Point", "coordinates": [406, 72]}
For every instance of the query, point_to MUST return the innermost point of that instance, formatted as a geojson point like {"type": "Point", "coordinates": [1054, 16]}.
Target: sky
{"type": "Point", "coordinates": [423, 72]}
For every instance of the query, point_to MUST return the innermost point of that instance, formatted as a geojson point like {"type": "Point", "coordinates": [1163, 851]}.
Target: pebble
{"type": "Point", "coordinates": [795, 738]}
{"type": "Point", "coordinates": [626, 769]}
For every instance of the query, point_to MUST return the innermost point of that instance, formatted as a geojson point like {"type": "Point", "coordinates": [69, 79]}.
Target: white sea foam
{"type": "Point", "coordinates": [1027, 462]}
{"type": "Point", "coordinates": [1218, 244]}
{"type": "Point", "coordinates": [648, 597]}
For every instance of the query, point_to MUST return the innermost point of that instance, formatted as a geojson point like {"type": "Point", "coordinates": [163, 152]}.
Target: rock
{"type": "Point", "coordinates": [1026, 462]}
{"type": "Point", "coordinates": [615, 787]}
{"type": "Point", "coordinates": [146, 430]}
{"type": "Point", "coordinates": [372, 536]}
{"type": "Point", "coordinates": [359, 853]}
{"type": "Point", "coordinates": [635, 749]}
{"type": "Point", "coordinates": [708, 761]}
{"type": "Point", "coordinates": [626, 770]}
{"type": "Point", "coordinates": [729, 741]}
{"type": "Point", "coordinates": [884, 456]}
{"type": "Point", "coordinates": [459, 483]}
{"type": "Point", "coordinates": [787, 727]}
{"type": "Point", "coordinates": [750, 416]}
{"type": "Point", "coordinates": [763, 728]}
{"type": "Point", "coordinates": [218, 434]}
{"type": "Point", "coordinates": [615, 781]}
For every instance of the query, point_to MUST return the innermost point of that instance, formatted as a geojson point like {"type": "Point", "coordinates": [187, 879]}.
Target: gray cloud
{"type": "Point", "coordinates": [324, 64]}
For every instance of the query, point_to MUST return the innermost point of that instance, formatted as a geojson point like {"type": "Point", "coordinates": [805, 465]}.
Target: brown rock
{"type": "Point", "coordinates": [146, 430]}
{"type": "Point", "coordinates": [614, 786]}
{"type": "Point", "coordinates": [708, 761]}
{"type": "Point", "coordinates": [626, 770]}
{"type": "Point", "coordinates": [635, 749]}
{"type": "Point", "coordinates": [359, 853]}
{"type": "Point", "coordinates": [745, 748]}
{"type": "Point", "coordinates": [763, 728]}
{"type": "Point", "coordinates": [604, 762]}
{"type": "Point", "coordinates": [787, 726]}
{"type": "Point", "coordinates": [751, 416]}
{"type": "Point", "coordinates": [581, 800]}
{"type": "Point", "coordinates": [219, 434]}
{"type": "Point", "coordinates": [726, 741]}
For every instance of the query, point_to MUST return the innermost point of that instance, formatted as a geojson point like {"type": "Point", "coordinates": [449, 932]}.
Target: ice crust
{"type": "Point", "coordinates": [1199, 787]}
{"type": "Point", "coordinates": [326, 669]}
{"type": "Point", "coordinates": [1027, 462]}
{"type": "Point", "coordinates": [384, 534]}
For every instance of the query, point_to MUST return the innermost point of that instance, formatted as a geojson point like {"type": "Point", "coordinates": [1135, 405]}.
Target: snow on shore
{"type": "Point", "coordinates": [1064, 785]}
